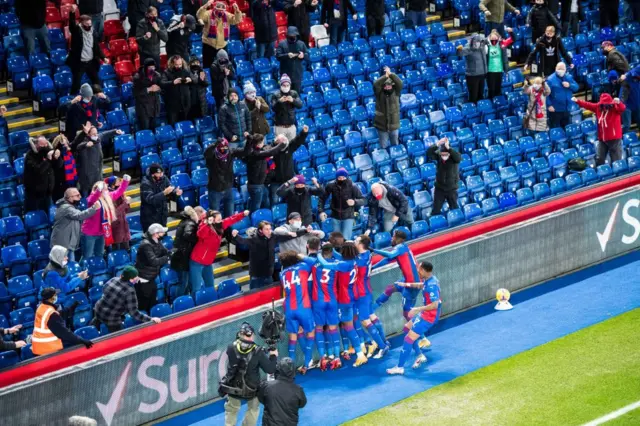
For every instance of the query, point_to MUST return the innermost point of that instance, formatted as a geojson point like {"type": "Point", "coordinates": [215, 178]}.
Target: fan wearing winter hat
{"type": "Point", "coordinates": [147, 91]}
{"type": "Point", "coordinates": [85, 108]}
{"type": "Point", "coordinates": [235, 119]}
{"type": "Point", "coordinates": [346, 199]}
{"type": "Point", "coordinates": [297, 195]}
{"type": "Point", "coordinates": [199, 104]}
{"type": "Point", "coordinates": [284, 103]}
{"type": "Point", "coordinates": [258, 108]}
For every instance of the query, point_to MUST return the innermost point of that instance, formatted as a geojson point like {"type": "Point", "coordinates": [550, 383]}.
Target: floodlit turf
{"type": "Point", "coordinates": [568, 381]}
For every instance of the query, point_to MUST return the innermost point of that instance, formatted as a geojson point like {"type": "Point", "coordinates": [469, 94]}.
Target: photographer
{"type": "Point", "coordinates": [245, 360]}
{"type": "Point", "coordinates": [282, 398]}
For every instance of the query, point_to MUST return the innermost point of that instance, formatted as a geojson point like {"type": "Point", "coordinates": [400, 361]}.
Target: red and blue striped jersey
{"type": "Point", "coordinates": [295, 281]}
{"type": "Point", "coordinates": [363, 280]}
{"type": "Point", "coordinates": [324, 284]}
{"type": "Point", "coordinates": [406, 262]}
{"type": "Point", "coordinates": [346, 274]}
{"type": "Point", "coordinates": [431, 293]}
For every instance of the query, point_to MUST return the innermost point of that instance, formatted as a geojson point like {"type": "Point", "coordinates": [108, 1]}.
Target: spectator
{"type": "Point", "coordinates": [11, 345]}
{"type": "Point", "coordinates": [93, 9]}
{"type": "Point", "coordinates": [539, 18]}
{"type": "Point", "coordinates": [562, 86]}
{"type": "Point", "coordinates": [262, 244]}
{"type": "Point", "coordinates": [447, 175]}
{"type": "Point", "coordinates": [298, 12]}
{"type": "Point", "coordinates": [119, 298]}
{"type": "Point", "coordinates": [284, 103]}
{"type": "Point", "coordinates": [550, 48]}
{"type": "Point", "coordinates": [221, 72]}
{"type": "Point", "coordinates": [334, 17]}
{"type": "Point", "coordinates": [570, 17]}
{"type": "Point", "coordinates": [392, 202]}
{"type": "Point", "coordinates": [64, 168]}
{"type": "Point", "coordinates": [185, 241]}
{"type": "Point", "coordinates": [608, 112]}
{"type": "Point", "coordinates": [609, 13]}
{"type": "Point", "coordinates": [617, 62]}
{"type": "Point", "coordinates": [291, 54]}
{"type": "Point", "coordinates": [293, 225]}
{"type": "Point", "coordinates": [258, 108]}
{"type": "Point", "coordinates": [199, 104]}
{"type": "Point", "coordinates": [150, 31]}
{"type": "Point", "coordinates": [52, 335]}
{"type": "Point", "coordinates": [219, 160]}
{"type": "Point", "coordinates": [416, 12]}
{"type": "Point", "coordinates": [32, 16]}
{"type": "Point", "coordinates": [282, 398]}
{"type": "Point", "coordinates": [146, 90]}
{"type": "Point", "coordinates": [210, 233]}
{"type": "Point", "coordinates": [119, 227]}
{"type": "Point", "coordinates": [632, 79]}
{"type": "Point", "coordinates": [97, 230]}
{"type": "Point", "coordinates": [85, 108]}
{"type": "Point", "coordinates": [234, 120]}
{"type": "Point", "coordinates": [476, 66]}
{"type": "Point", "coordinates": [374, 11]}
{"type": "Point", "coordinates": [346, 198]}
{"type": "Point", "coordinates": [256, 156]}
{"type": "Point", "coordinates": [266, 30]}
{"type": "Point", "coordinates": [39, 177]}
{"type": "Point", "coordinates": [135, 12]}
{"type": "Point", "coordinates": [179, 34]}
{"type": "Point", "coordinates": [176, 84]}
{"type": "Point", "coordinates": [151, 257]}
{"type": "Point", "coordinates": [87, 148]}
{"type": "Point", "coordinates": [156, 191]}
{"type": "Point", "coordinates": [85, 53]}
{"type": "Point", "coordinates": [217, 23]}
{"type": "Point", "coordinates": [494, 14]}
{"type": "Point", "coordinates": [387, 91]}
{"type": "Point", "coordinates": [497, 61]}
{"type": "Point", "coordinates": [297, 195]}
{"type": "Point", "coordinates": [56, 274]}
{"type": "Point", "coordinates": [284, 164]}
{"type": "Point", "coordinates": [66, 225]}
{"type": "Point", "coordinates": [535, 118]}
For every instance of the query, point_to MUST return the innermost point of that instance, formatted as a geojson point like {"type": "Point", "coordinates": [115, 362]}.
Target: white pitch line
{"type": "Point", "coordinates": [614, 415]}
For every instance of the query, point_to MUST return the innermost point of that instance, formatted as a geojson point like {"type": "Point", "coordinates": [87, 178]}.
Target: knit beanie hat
{"type": "Point", "coordinates": [284, 79]}
{"type": "Point", "coordinates": [129, 272]}
{"type": "Point", "coordinates": [300, 180]}
{"type": "Point", "coordinates": [111, 180]}
{"type": "Point", "coordinates": [231, 92]}
{"type": "Point", "coordinates": [155, 168]}
{"type": "Point", "coordinates": [86, 91]}
{"type": "Point", "coordinates": [342, 172]}
{"type": "Point", "coordinates": [248, 88]}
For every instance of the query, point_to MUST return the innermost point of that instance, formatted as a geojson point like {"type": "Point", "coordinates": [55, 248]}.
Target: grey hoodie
{"type": "Point", "coordinates": [299, 244]}
{"type": "Point", "coordinates": [476, 57]}
{"type": "Point", "coordinates": [67, 223]}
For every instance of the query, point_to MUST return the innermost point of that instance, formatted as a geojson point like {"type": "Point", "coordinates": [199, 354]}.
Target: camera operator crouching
{"type": "Point", "coordinates": [245, 360]}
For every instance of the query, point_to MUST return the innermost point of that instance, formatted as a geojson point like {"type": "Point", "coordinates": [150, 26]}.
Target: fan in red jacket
{"type": "Point", "coordinates": [608, 113]}
{"type": "Point", "coordinates": [210, 234]}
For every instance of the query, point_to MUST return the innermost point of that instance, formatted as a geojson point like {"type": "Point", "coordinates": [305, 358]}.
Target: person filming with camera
{"type": "Point", "coordinates": [240, 383]}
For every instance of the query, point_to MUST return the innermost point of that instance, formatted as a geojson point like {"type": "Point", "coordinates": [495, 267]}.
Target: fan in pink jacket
{"type": "Point", "coordinates": [93, 228]}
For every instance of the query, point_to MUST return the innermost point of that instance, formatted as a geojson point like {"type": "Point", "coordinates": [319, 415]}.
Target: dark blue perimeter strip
{"type": "Point", "coordinates": [464, 342]}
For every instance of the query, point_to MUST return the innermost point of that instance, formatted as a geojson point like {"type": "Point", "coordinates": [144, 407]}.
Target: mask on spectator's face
{"type": "Point", "coordinates": [536, 87]}
{"type": "Point", "coordinates": [251, 96]}
{"type": "Point", "coordinates": [285, 88]}
{"type": "Point", "coordinates": [444, 156]}
{"type": "Point", "coordinates": [94, 138]}
{"type": "Point", "coordinates": [561, 73]}
{"type": "Point", "coordinates": [296, 224]}
{"type": "Point", "coordinates": [292, 39]}
{"type": "Point", "coordinates": [151, 18]}
{"type": "Point", "coordinates": [378, 196]}
{"type": "Point", "coordinates": [86, 26]}
{"type": "Point", "coordinates": [494, 41]}
{"type": "Point", "coordinates": [196, 67]}
{"type": "Point", "coordinates": [299, 189]}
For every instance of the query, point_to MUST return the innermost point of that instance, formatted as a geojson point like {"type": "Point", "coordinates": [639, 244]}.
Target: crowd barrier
{"type": "Point", "coordinates": [159, 376]}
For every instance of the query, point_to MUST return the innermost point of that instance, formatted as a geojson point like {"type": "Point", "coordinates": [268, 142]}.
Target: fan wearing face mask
{"type": "Point", "coordinates": [39, 176]}
{"type": "Point", "coordinates": [258, 108]}
{"type": "Point", "coordinates": [497, 61]}
{"type": "Point", "coordinates": [562, 86]}
{"type": "Point", "coordinates": [85, 53]}
{"type": "Point", "coordinates": [85, 107]}
{"type": "Point", "coordinates": [295, 224]}
{"type": "Point", "coordinates": [539, 18]}
{"type": "Point", "coordinates": [150, 31]}
{"type": "Point", "coordinates": [147, 92]}
{"type": "Point", "coordinates": [475, 55]}
{"type": "Point", "coordinates": [298, 14]}
{"type": "Point", "coordinates": [217, 22]}
{"type": "Point", "coordinates": [199, 104]}
{"type": "Point", "coordinates": [68, 220]}
{"type": "Point", "coordinates": [387, 91]}
{"type": "Point", "coordinates": [285, 102]}
{"type": "Point", "coordinates": [535, 118]}
{"type": "Point", "coordinates": [297, 195]}
{"type": "Point", "coordinates": [550, 49]}
{"type": "Point", "coordinates": [447, 175]}
{"type": "Point", "coordinates": [179, 32]}
{"type": "Point", "coordinates": [56, 274]}
{"type": "Point", "coordinates": [291, 54]}
{"type": "Point", "coordinates": [234, 120]}
{"type": "Point", "coordinates": [222, 72]}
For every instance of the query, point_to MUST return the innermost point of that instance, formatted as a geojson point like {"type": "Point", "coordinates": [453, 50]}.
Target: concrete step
{"type": "Point", "coordinates": [25, 123]}
{"type": "Point", "coordinates": [44, 129]}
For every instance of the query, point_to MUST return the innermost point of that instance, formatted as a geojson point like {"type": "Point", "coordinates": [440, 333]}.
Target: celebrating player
{"type": "Point", "coordinates": [297, 304]}
{"type": "Point", "coordinates": [422, 318]}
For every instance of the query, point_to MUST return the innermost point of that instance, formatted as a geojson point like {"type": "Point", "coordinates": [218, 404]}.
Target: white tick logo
{"type": "Point", "coordinates": [109, 409]}
{"type": "Point", "coordinates": [604, 237]}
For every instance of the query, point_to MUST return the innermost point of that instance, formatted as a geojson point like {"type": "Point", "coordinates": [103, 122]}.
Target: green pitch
{"type": "Point", "coordinates": [569, 381]}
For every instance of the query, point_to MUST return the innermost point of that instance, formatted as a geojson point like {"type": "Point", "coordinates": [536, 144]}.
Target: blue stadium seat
{"type": "Point", "coordinates": [558, 186]}
{"type": "Point", "coordinates": [620, 167]}
{"type": "Point", "coordinates": [419, 228]}
{"type": "Point", "coordinates": [473, 211]}
{"type": "Point", "coordinates": [541, 191]}
{"type": "Point", "coordinates": [438, 223]}
{"type": "Point", "coordinates": [507, 201]}
{"type": "Point", "coordinates": [381, 240]}
{"type": "Point", "coordinates": [228, 288]}
{"type": "Point", "coordinates": [524, 196]}
{"type": "Point", "coordinates": [88, 332]}
{"type": "Point", "coordinates": [161, 310]}
{"type": "Point", "coordinates": [15, 259]}
{"type": "Point", "coordinates": [8, 359]}
{"type": "Point", "coordinates": [206, 295]}
{"type": "Point", "coordinates": [183, 303]}
{"type": "Point", "coordinates": [574, 181]}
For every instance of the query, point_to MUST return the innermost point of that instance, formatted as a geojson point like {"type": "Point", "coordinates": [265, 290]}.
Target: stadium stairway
{"type": "Point", "coordinates": [20, 116]}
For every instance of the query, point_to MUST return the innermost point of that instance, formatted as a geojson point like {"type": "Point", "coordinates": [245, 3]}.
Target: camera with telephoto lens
{"type": "Point", "coordinates": [272, 326]}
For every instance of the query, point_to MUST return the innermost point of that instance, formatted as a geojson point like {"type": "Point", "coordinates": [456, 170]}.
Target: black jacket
{"type": "Point", "coordinates": [199, 102]}
{"type": "Point", "coordinates": [150, 47]}
{"type": "Point", "coordinates": [257, 162]}
{"type": "Point", "coordinates": [185, 241]}
{"type": "Point", "coordinates": [75, 53]}
{"type": "Point", "coordinates": [153, 207]}
{"type": "Point", "coordinates": [326, 16]}
{"type": "Point", "coordinates": [550, 52]}
{"type": "Point", "coordinates": [4, 345]}
{"type": "Point", "coordinates": [32, 13]}
{"type": "Point", "coordinates": [177, 97]}
{"type": "Point", "coordinates": [220, 170]}
{"type": "Point", "coordinates": [190, 7]}
{"type": "Point", "coordinates": [375, 8]}
{"type": "Point", "coordinates": [282, 398]}
{"type": "Point", "coordinates": [262, 251]}
{"type": "Point", "coordinates": [539, 18]}
{"type": "Point", "coordinates": [298, 16]}
{"type": "Point", "coordinates": [219, 79]}
{"type": "Point", "coordinates": [285, 112]}
{"type": "Point", "coordinates": [293, 67]}
{"type": "Point", "coordinates": [179, 42]}
{"type": "Point", "coordinates": [39, 176]}
{"type": "Point", "coordinates": [150, 258]}
{"type": "Point", "coordinates": [417, 5]}
{"type": "Point", "coordinates": [79, 113]}
{"type": "Point", "coordinates": [565, 11]}
{"type": "Point", "coordinates": [617, 61]}
{"type": "Point", "coordinates": [395, 197]}
{"type": "Point", "coordinates": [299, 202]}
{"type": "Point", "coordinates": [90, 7]}
{"type": "Point", "coordinates": [234, 120]}
{"type": "Point", "coordinates": [339, 194]}
{"type": "Point", "coordinates": [447, 174]}
{"type": "Point", "coordinates": [147, 103]}
{"type": "Point", "coordinates": [264, 22]}
{"type": "Point", "coordinates": [284, 159]}
{"type": "Point", "coordinates": [137, 9]}
{"type": "Point", "coordinates": [261, 360]}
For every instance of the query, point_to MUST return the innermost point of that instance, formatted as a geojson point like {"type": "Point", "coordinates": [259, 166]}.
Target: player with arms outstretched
{"type": "Point", "coordinates": [423, 318]}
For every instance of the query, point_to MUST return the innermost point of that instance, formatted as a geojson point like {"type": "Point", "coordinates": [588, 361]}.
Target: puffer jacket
{"type": "Point", "coordinates": [234, 120]}
{"type": "Point", "coordinates": [387, 116]}
{"type": "Point", "coordinates": [154, 208]}
{"type": "Point", "coordinates": [151, 258]}
{"type": "Point", "coordinates": [475, 58]}
{"type": "Point", "coordinates": [609, 116]}
{"type": "Point", "coordinates": [282, 398]}
{"type": "Point", "coordinates": [67, 224]}
{"type": "Point", "coordinates": [89, 159]}
{"type": "Point", "coordinates": [220, 170]}
{"type": "Point", "coordinates": [560, 96]}
{"type": "Point", "coordinates": [447, 172]}
{"type": "Point", "coordinates": [177, 97]}
{"type": "Point", "coordinates": [150, 47]}
{"type": "Point", "coordinates": [299, 201]}
{"type": "Point", "coordinates": [219, 79]}
{"type": "Point", "coordinates": [209, 240]}
{"type": "Point", "coordinates": [539, 18]}
{"type": "Point", "coordinates": [259, 123]}
{"type": "Point", "coordinates": [186, 239]}
{"type": "Point", "coordinates": [285, 112]}
{"type": "Point", "coordinates": [339, 194]}
{"type": "Point", "coordinates": [217, 42]}
{"type": "Point", "coordinates": [92, 226]}
{"type": "Point", "coordinates": [39, 175]}
{"type": "Point", "coordinates": [395, 197]}
{"type": "Point", "coordinates": [537, 123]}
{"type": "Point", "coordinates": [497, 8]}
